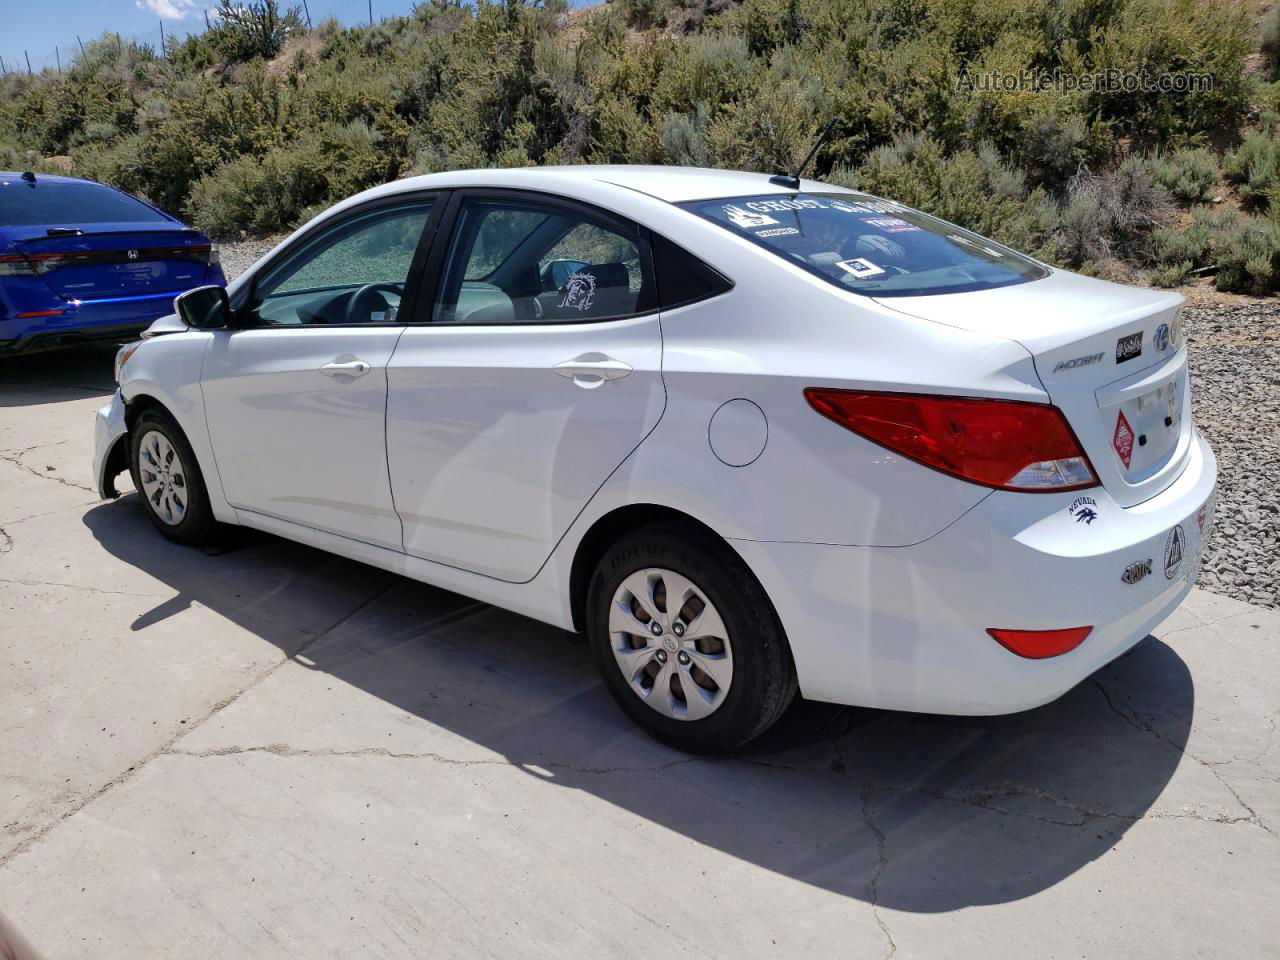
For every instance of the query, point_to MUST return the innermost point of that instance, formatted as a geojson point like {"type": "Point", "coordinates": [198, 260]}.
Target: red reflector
{"type": "Point", "coordinates": [41, 313]}
{"type": "Point", "coordinates": [1006, 444]}
{"type": "Point", "coordinates": [1039, 644]}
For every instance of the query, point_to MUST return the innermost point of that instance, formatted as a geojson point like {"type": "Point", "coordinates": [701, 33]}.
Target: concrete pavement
{"type": "Point", "coordinates": [267, 751]}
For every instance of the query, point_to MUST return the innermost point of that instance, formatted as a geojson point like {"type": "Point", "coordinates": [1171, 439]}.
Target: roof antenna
{"type": "Point", "coordinates": [792, 181]}
{"type": "Point", "coordinates": [29, 176]}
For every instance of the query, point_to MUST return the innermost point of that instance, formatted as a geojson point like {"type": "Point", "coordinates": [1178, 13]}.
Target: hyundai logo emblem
{"type": "Point", "coordinates": [1161, 339]}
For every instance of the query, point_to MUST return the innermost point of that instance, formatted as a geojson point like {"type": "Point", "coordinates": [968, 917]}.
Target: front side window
{"type": "Point", "coordinates": [518, 262]}
{"type": "Point", "coordinates": [870, 246]}
{"type": "Point", "coordinates": [354, 272]}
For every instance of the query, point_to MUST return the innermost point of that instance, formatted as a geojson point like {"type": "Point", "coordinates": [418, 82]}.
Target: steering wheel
{"type": "Point", "coordinates": [379, 287]}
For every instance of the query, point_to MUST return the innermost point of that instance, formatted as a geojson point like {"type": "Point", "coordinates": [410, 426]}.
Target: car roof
{"type": "Point", "coordinates": [672, 184]}
{"type": "Point", "coordinates": [9, 176]}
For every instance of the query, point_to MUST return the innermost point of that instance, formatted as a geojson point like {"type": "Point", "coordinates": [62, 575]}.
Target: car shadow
{"type": "Point", "coordinates": [52, 376]}
{"type": "Point", "coordinates": [913, 812]}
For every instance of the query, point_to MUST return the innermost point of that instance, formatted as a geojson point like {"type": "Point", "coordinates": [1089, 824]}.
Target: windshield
{"type": "Point", "coordinates": [870, 246]}
{"type": "Point", "coordinates": [69, 204]}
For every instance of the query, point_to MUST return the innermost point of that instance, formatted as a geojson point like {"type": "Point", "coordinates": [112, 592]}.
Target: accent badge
{"type": "Point", "coordinates": [1136, 571]}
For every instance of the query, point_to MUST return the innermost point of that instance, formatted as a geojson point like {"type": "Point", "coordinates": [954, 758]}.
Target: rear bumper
{"type": "Point", "coordinates": [86, 322]}
{"type": "Point", "coordinates": [110, 434]}
{"type": "Point", "coordinates": [904, 628]}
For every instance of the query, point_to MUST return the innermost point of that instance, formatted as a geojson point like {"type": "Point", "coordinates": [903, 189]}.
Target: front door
{"type": "Point", "coordinates": [537, 372]}
{"type": "Point", "coordinates": [296, 395]}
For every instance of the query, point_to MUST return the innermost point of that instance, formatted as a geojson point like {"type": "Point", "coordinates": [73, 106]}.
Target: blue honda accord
{"type": "Point", "coordinates": [82, 261]}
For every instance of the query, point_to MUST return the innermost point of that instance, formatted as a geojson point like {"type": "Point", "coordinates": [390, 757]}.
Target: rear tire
{"type": "Point", "coordinates": [716, 671]}
{"type": "Point", "coordinates": [168, 479]}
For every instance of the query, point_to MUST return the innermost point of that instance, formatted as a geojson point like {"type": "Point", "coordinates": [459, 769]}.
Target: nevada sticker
{"type": "Point", "coordinates": [1123, 440]}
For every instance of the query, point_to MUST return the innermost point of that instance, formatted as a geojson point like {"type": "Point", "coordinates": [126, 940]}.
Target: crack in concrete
{"type": "Point", "coordinates": [82, 588]}
{"type": "Point", "coordinates": [882, 863]}
{"type": "Point", "coordinates": [83, 800]}
{"type": "Point", "coordinates": [17, 461]}
{"type": "Point", "coordinates": [982, 799]}
{"type": "Point", "coordinates": [6, 541]}
{"type": "Point", "coordinates": [1134, 721]}
{"type": "Point", "coordinates": [49, 513]}
{"type": "Point", "coordinates": [284, 750]}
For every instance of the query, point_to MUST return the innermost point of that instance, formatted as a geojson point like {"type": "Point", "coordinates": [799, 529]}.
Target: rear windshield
{"type": "Point", "coordinates": [69, 205]}
{"type": "Point", "coordinates": [870, 246]}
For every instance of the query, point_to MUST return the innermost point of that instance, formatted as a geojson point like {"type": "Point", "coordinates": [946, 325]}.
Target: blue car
{"type": "Point", "coordinates": [82, 261]}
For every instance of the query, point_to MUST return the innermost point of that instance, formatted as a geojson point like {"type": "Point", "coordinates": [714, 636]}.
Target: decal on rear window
{"type": "Point", "coordinates": [860, 267]}
{"type": "Point", "coordinates": [579, 291]}
{"type": "Point", "coordinates": [868, 245]}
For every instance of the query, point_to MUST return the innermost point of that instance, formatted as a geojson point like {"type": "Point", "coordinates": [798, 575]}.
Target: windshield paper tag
{"type": "Point", "coordinates": [890, 224]}
{"type": "Point", "coordinates": [860, 267]}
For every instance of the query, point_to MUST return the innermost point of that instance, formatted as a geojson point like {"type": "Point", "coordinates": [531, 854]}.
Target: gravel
{"type": "Point", "coordinates": [1235, 384]}
{"type": "Point", "coordinates": [239, 255]}
{"type": "Point", "coordinates": [1235, 393]}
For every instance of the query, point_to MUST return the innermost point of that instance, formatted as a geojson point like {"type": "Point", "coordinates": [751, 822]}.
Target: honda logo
{"type": "Point", "coordinates": [133, 254]}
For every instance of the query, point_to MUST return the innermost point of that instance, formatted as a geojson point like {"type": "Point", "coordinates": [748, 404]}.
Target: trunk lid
{"type": "Point", "coordinates": [109, 260]}
{"type": "Point", "coordinates": [1110, 358]}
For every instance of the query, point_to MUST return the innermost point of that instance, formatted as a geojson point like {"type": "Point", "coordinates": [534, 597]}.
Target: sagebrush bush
{"type": "Point", "coordinates": [1247, 255]}
{"type": "Point", "coordinates": [1190, 174]}
{"type": "Point", "coordinates": [1170, 275]}
{"type": "Point", "coordinates": [1255, 166]}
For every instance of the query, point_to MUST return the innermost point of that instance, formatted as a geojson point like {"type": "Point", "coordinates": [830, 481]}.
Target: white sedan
{"type": "Point", "coordinates": [751, 436]}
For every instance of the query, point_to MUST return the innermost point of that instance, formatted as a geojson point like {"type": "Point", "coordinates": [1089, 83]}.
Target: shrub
{"type": "Point", "coordinates": [1271, 40]}
{"type": "Point", "coordinates": [1172, 275]}
{"type": "Point", "coordinates": [1190, 174]}
{"type": "Point", "coordinates": [1084, 231]}
{"type": "Point", "coordinates": [1255, 166]}
{"type": "Point", "coordinates": [257, 28]}
{"type": "Point", "coordinates": [1247, 255]}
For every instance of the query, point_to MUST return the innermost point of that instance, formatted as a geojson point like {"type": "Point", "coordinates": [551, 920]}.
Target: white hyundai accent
{"type": "Point", "coordinates": [752, 435]}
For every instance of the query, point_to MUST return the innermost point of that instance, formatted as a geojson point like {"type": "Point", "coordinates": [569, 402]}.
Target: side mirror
{"type": "Point", "coordinates": [204, 308]}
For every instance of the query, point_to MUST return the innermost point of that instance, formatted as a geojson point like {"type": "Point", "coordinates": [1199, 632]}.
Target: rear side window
{"type": "Point", "coordinates": [65, 204]}
{"type": "Point", "coordinates": [682, 277]}
{"type": "Point", "coordinates": [870, 246]}
{"type": "Point", "coordinates": [517, 261]}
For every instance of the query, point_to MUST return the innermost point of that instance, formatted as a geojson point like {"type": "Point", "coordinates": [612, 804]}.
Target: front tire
{"type": "Point", "coordinates": [168, 479]}
{"type": "Point", "coordinates": [686, 640]}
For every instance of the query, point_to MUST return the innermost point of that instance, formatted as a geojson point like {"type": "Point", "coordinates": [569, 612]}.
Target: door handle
{"type": "Point", "coordinates": [348, 368]}
{"type": "Point", "coordinates": [591, 372]}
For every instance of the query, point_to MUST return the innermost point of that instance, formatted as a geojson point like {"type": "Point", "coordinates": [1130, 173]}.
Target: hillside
{"type": "Point", "coordinates": [1138, 139]}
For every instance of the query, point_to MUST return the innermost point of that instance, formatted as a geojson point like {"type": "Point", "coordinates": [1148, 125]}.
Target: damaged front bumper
{"type": "Point", "coordinates": [110, 446]}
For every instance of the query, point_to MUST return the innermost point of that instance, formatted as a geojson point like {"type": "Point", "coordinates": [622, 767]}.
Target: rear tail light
{"type": "Point", "coordinates": [1040, 644]}
{"type": "Point", "coordinates": [38, 264]}
{"type": "Point", "coordinates": [16, 265]}
{"type": "Point", "coordinates": [1005, 444]}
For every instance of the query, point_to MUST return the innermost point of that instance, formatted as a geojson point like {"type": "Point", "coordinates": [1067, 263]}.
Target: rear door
{"type": "Point", "coordinates": [534, 374]}
{"type": "Point", "coordinates": [296, 396]}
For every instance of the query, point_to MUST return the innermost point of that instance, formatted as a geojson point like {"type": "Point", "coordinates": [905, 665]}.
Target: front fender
{"type": "Point", "coordinates": [166, 371]}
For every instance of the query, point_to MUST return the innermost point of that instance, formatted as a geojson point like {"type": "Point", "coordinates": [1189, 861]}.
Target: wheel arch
{"type": "Point", "coordinates": [607, 530]}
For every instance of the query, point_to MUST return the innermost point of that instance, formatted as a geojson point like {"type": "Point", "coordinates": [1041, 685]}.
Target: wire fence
{"type": "Point", "coordinates": [59, 60]}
